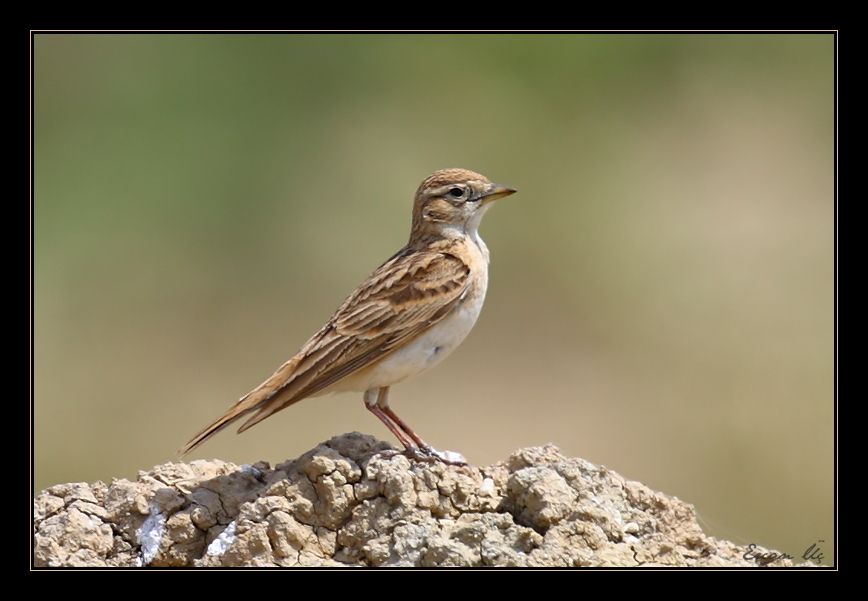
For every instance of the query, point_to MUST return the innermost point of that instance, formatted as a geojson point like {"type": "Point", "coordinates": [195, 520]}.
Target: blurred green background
{"type": "Point", "coordinates": [661, 294]}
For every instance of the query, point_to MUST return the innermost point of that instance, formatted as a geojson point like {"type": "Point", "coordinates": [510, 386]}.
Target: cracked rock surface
{"type": "Point", "coordinates": [342, 504]}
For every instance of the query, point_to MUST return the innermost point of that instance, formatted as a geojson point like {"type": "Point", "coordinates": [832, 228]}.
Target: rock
{"type": "Point", "coordinates": [344, 504]}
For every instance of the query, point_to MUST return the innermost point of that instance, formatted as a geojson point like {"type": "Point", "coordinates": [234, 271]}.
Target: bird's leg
{"type": "Point", "coordinates": [383, 404]}
{"type": "Point", "coordinates": [377, 402]}
{"type": "Point", "coordinates": [371, 405]}
{"type": "Point", "coordinates": [423, 451]}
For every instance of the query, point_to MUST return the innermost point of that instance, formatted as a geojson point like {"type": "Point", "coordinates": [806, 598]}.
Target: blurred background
{"type": "Point", "coordinates": [661, 293]}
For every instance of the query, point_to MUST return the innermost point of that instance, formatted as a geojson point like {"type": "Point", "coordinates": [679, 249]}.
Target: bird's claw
{"type": "Point", "coordinates": [432, 455]}
{"type": "Point", "coordinates": [426, 454]}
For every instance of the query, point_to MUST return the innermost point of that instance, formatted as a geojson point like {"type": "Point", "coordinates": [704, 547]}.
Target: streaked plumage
{"type": "Point", "coordinates": [407, 316]}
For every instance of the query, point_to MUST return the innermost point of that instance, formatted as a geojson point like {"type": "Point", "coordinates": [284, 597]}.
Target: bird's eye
{"type": "Point", "coordinates": [456, 192]}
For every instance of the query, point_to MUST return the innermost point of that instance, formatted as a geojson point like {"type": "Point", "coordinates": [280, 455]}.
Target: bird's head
{"type": "Point", "coordinates": [454, 200]}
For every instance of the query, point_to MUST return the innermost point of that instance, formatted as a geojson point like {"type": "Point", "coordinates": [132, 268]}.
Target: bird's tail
{"type": "Point", "coordinates": [252, 401]}
{"type": "Point", "coordinates": [235, 412]}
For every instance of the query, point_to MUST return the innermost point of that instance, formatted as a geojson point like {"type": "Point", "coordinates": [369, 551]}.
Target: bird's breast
{"type": "Point", "coordinates": [427, 349]}
{"type": "Point", "coordinates": [435, 344]}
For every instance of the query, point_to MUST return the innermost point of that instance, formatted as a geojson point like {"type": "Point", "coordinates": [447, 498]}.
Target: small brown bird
{"type": "Point", "coordinates": [409, 314]}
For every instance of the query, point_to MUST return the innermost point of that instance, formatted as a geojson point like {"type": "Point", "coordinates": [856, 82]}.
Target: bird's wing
{"type": "Point", "coordinates": [404, 297]}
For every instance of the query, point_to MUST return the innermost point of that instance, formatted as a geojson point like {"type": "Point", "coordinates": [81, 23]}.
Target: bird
{"type": "Point", "coordinates": [406, 317]}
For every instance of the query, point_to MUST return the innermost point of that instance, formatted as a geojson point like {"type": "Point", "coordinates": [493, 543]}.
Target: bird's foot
{"type": "Point", "coordinates": [426, 454]}
{"type": "Point", "coordinates": [388, 453]}
{"type": "Point", "coordinates": [432, 455]}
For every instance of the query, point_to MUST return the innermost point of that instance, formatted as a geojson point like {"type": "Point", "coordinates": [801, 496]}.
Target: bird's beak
{"type": "Point", "coordinates": [494, 192]}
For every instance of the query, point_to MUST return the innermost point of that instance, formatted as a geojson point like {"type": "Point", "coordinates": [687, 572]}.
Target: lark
{"type": "Point", "coordinates": [405, 318]}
